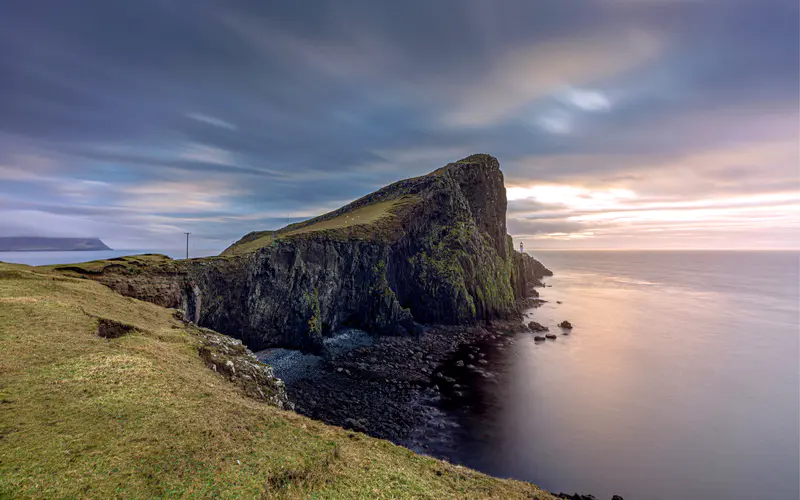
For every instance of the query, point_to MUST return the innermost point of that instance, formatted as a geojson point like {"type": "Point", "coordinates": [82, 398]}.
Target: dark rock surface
{"type": "Point", "coordinates": [442, 256]}
{"type": "Point", "coordinates": [566, 325]}
{"type": "Point", "coordinates": [384, 389]}
{"type": "Point", "coordinates": [537, 328]}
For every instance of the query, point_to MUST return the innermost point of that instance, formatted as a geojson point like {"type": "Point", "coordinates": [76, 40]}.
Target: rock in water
{"type": "Point", "coordinates": [536, 327]}
{"type": "Point", "coordinates": [432, 249]}
{"type": "Point", "coordinates": [565, 324]}
{"type": "Point", "coordinates": [551, 336]}
{"type": "Point", "coordinates": [539, 338]}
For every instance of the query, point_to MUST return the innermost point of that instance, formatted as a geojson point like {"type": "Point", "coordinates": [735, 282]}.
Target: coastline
{"type": "Point", "coordinates": [389, 386]}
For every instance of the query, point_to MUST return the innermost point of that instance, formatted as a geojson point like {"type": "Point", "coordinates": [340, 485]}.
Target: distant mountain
{"type": "Point", "coordinates": [38, 244]}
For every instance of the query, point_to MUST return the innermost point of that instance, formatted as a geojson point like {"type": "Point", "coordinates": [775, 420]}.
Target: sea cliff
{"type": "Point", "coordinates": [427, 250]}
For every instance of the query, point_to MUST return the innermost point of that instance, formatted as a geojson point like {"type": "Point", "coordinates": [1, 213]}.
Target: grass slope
{"type": "Point", "coordinates": [128, 264]}
{"type": "Point", "coordinates": [140, 416]}
{"type": "Point", "coordinates": [362, 216]}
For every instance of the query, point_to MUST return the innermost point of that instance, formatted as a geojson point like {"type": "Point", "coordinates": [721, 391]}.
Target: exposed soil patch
{"type": "Point", "coordinates": [110, 329]}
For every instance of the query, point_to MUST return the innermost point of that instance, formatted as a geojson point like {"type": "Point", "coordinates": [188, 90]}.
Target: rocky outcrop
{"type": "Point", "coordinates": [537, 328]}
{"type": "Point", "coordinates": [434, 251]}
{"type": "Point", "coordinates": [228, 357]}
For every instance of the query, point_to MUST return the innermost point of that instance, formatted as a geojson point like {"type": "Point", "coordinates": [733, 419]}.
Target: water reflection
{"type": "Point", "coordinates": [669, 386]}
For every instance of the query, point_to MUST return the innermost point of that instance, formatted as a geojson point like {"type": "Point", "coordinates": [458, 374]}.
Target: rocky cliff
{"type": "Point", "coordinates": [431, 249]}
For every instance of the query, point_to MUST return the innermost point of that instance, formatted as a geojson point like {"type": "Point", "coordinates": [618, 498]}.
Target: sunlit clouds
{"type": "Point", "coordinates": [571, 196]}
{"type": "Point", "coordinates": [671, 223]}
{"type": "Point", "coordinates": [617, 124]}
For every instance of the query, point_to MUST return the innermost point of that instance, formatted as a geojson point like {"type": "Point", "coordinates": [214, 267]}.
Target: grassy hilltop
{"type": "Point", "coordinates": [142, 416]}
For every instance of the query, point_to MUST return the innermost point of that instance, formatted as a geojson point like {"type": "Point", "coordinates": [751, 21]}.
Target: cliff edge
{"type": "Point", "coordinates": [431, 249]}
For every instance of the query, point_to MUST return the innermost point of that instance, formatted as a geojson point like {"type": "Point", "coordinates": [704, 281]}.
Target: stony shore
{"type": "Point", "coordinates": [384, 386]}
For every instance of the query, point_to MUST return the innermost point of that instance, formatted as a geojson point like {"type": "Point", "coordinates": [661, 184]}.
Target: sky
{"type": "Point", "coordinates": [618, 123]}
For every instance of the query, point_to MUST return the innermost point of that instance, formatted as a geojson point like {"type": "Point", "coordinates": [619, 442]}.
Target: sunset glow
{"type": "Point", "coordinates": [617, 124]}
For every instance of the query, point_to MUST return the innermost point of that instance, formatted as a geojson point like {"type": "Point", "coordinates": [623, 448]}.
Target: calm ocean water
{"type": "Point", "coordinates": [680, 380]}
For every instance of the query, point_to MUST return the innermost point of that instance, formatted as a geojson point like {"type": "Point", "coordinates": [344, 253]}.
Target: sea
{"type": "Point", "coordinates": [679, 380]}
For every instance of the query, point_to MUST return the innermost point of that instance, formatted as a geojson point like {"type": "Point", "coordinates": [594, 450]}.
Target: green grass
{"type": "Point", "coordinates": [128, 264]}
{"type": "Point", "coordinates": [140, 416]}
{"type": "Point", "coordinates": [362, 216]}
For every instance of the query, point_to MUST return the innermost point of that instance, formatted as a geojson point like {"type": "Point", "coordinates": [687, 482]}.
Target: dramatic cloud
{"type": "Point", "coordinates": [618, 123]}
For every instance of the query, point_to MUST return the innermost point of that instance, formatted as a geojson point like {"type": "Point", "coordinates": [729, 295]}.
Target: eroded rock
{"type": "Point", "coordinates": [231, 359]}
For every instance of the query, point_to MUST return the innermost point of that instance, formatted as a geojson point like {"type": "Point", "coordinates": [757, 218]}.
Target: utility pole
{"type": "Point", "coordinates": [187, 244]}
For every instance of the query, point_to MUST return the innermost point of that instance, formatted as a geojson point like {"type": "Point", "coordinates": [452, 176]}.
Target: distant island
{"type": "Point", "coordinates": [41, 244]}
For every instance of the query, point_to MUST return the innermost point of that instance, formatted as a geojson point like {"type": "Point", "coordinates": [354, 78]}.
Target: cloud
{"type": "Point", "coordinates": [224, 117]}
{"type": "Point", "coordinates": [207, 154]}
{"type": "Point", "coordinates": [557, 122]}
{"type": "Point", "coordinates": [211, 120]}
{"type": "Point", "coordinates": [526, 227]}
{"type": "Point", "coordinates": [544, 69]}
{"type": "Point", "coordinates": [587, 100]}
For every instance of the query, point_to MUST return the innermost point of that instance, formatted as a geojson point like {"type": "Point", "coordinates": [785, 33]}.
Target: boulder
{"type": "Point", "coordinates": [551, 336]}
{"type": "Point", "coordinates": [536, 327]}
{"type": "Point", "coordinates": [566, 325]}
{"type": "Point", "coordinates": [539, 338]}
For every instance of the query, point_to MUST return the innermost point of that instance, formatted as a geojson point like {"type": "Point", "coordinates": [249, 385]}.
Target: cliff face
{"type": "Point", "coordinates": [431, 249]}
